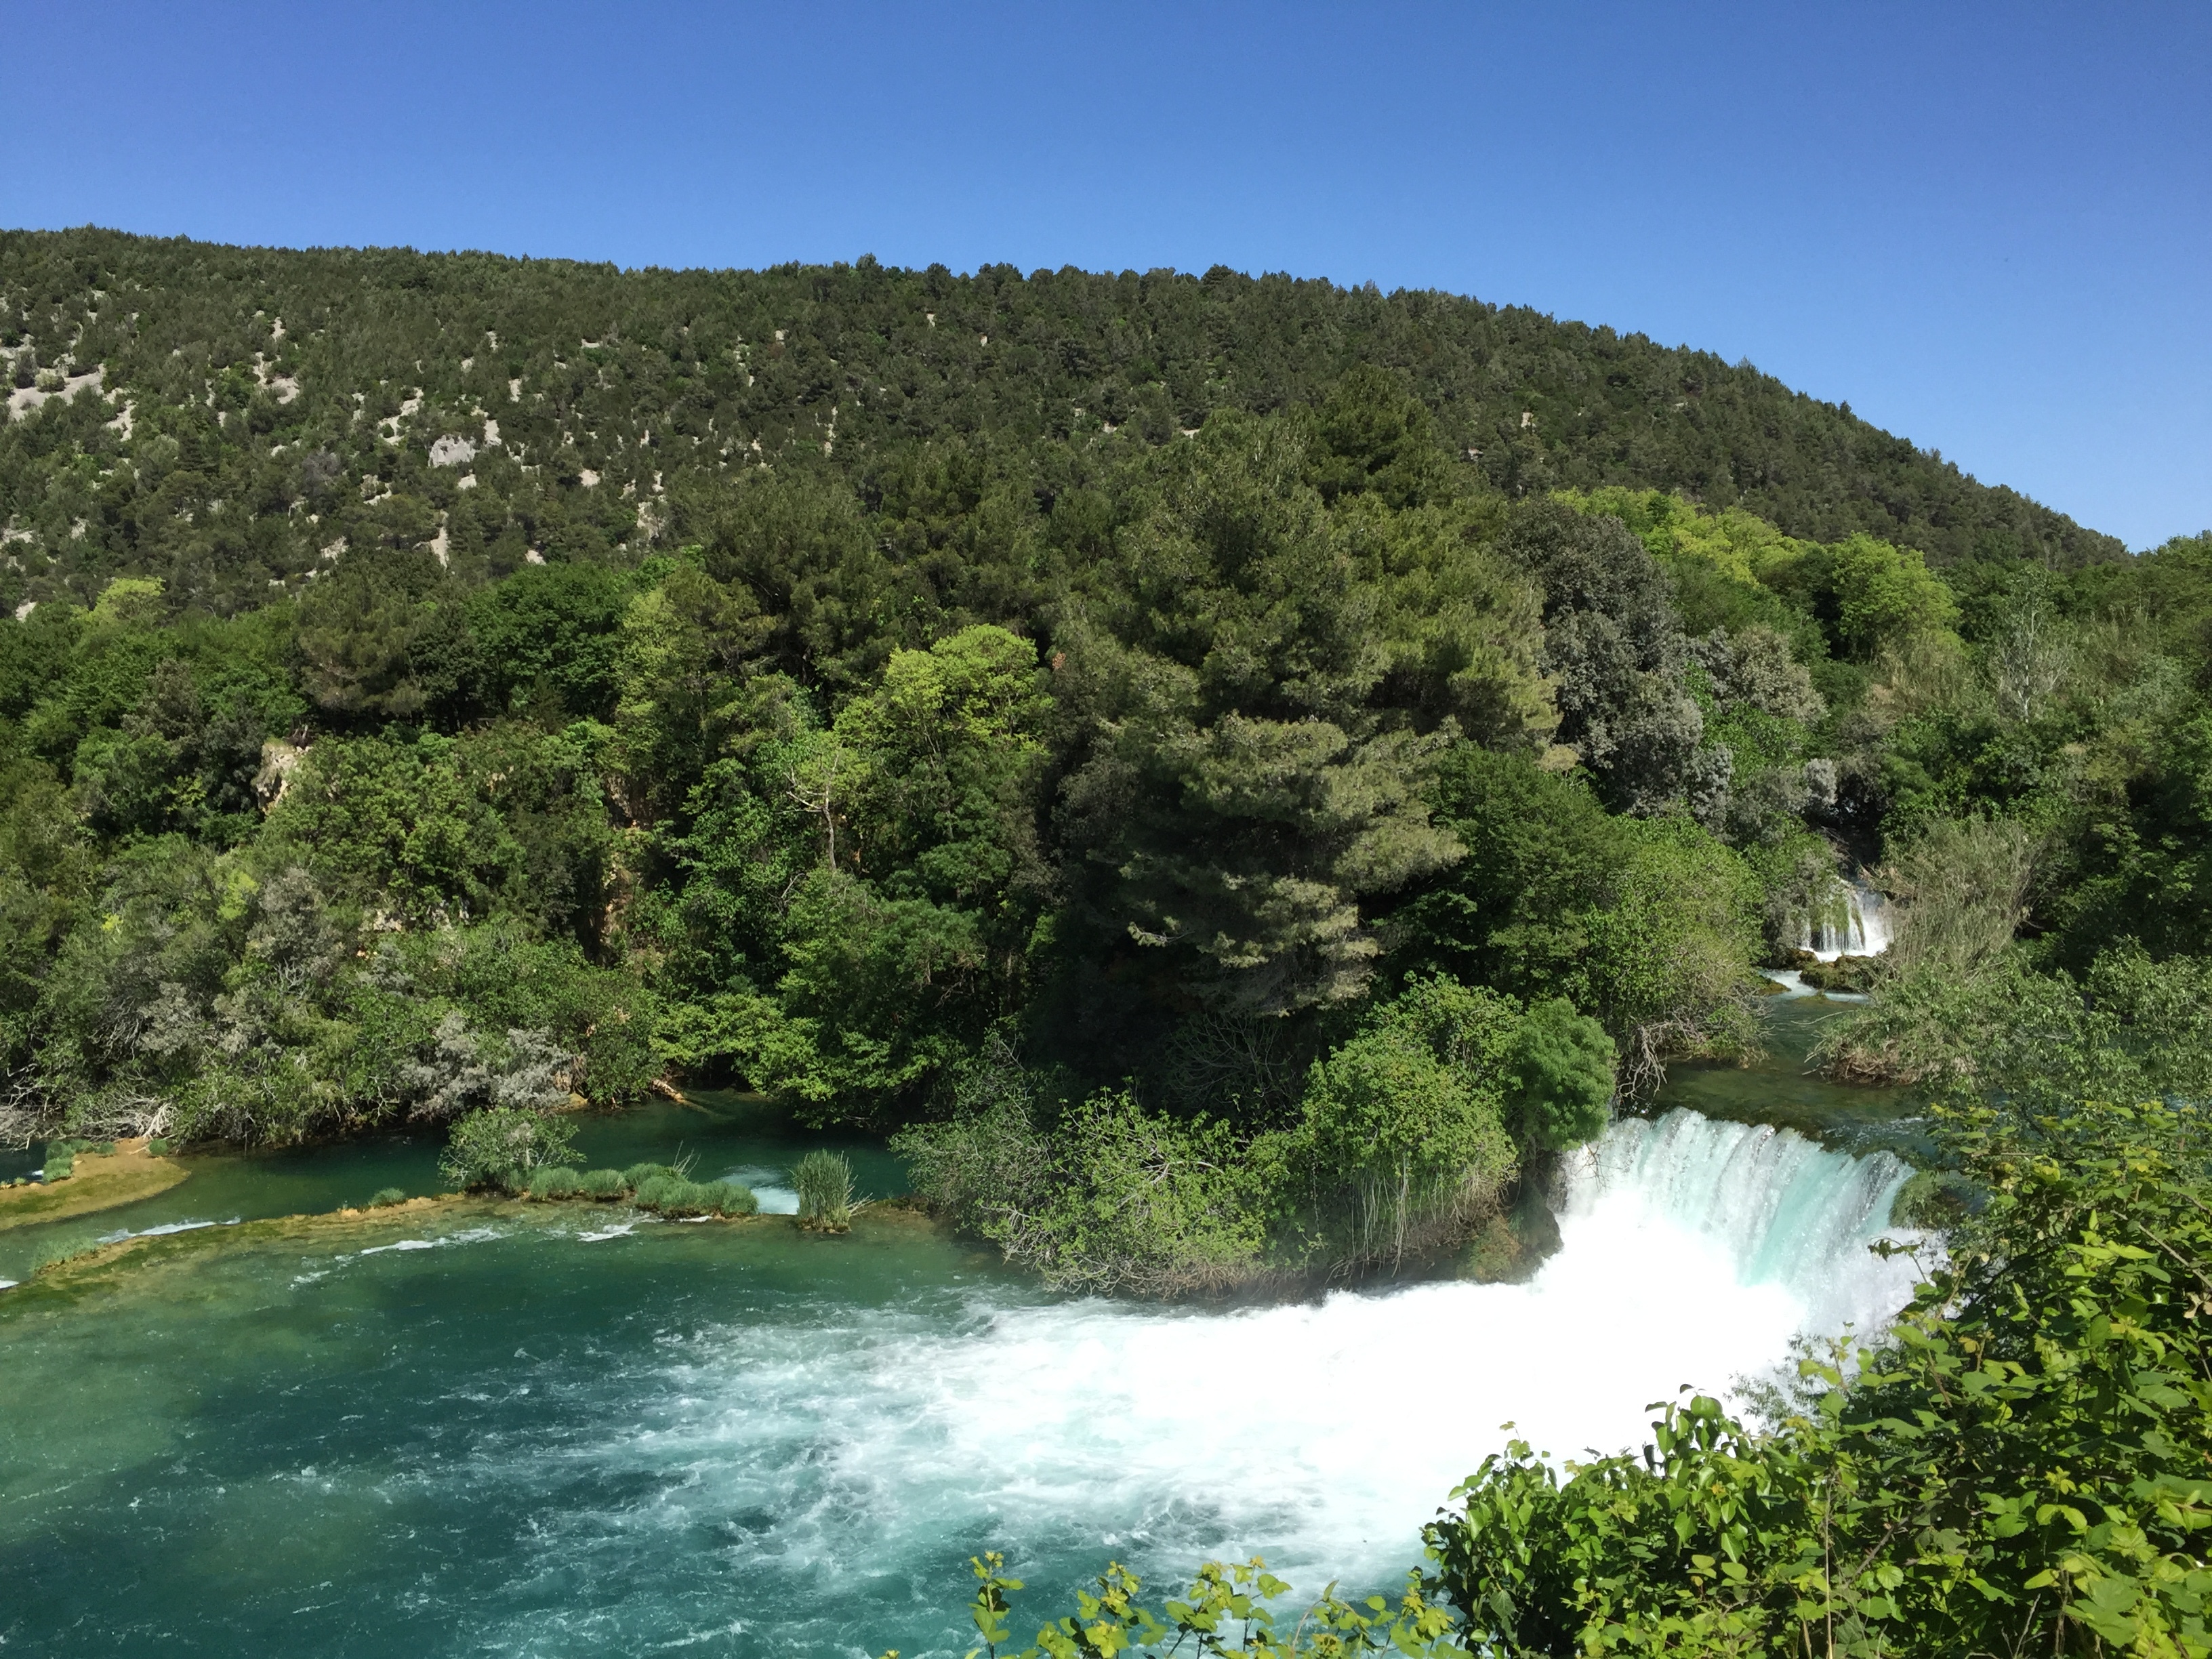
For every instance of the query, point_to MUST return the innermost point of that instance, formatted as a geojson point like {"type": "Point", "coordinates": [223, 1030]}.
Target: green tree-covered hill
{"type": "Point", "coordinates": [305, 396]}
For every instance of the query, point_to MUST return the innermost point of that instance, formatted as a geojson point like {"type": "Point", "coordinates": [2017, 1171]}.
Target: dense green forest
{"type": "Point", "coordinates": [1231, 774]}
{"type": "Point", "coordinates": [1230, 770]}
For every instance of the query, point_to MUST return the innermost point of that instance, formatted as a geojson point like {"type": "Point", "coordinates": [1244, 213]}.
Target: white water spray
{"type": "Point", "coordinates": [1323, 1434]}
{"type": "Point", "coordinates": [1784, 1212]}
{"type": "Point", "coordinates": [1864, 931]}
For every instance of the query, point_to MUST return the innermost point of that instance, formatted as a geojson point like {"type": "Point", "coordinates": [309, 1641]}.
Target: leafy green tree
{"type": "Point", "coordinates": [499, 1147]}
{"type": "Point", "coordinates": [506, 818]}
{"type": "Point", "coordinates": [1372, 434]}
{"type": "Point", "coordinates": [1885, 594]}
{"type": "Point", "coordinates": [1652, 927]}
{"type": "Point", "coordinates": [1614, 643]}
{"type": "Point", "coordinates": [1238, 795]}
{"type": "Point", "coordinates": [1562, 1065]}
{"type": "Point", "coordinates": [1401, 1135]}
{"type": "Point", "coordinates": [686, 642]}
{"type": "Point", "coordinates": [359, 629]}
{"type": "Point", "coordinates": [553, 633]}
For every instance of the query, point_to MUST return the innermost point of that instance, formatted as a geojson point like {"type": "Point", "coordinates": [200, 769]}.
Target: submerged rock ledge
{"type": "Point", "coordinates": [102, 1265]}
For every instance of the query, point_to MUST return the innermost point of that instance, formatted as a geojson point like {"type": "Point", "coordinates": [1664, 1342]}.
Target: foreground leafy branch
{"type": "Point", "coordinates": [1228, 1609]}
{"type": "Point", "coordinates": [2020, 1466]}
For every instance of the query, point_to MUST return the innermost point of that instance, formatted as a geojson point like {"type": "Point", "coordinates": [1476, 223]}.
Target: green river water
{"type": "Point", "coordinates": [562, 1429]}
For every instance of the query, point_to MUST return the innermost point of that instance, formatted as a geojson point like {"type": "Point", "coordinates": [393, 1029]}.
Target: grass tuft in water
{"type": "Point", "coordinates": [561, 1182]}
{"type": "Point", "coordinates": [385, 1197]}
{"type": "Point", "coordinates": [605, 1185]}
{"type": "Point", "coordinates": [823, 1182]}
{"type": "Point", "coordinates": [694, 1197]}
{"type": "Point", "coordinates": [732, 1198]}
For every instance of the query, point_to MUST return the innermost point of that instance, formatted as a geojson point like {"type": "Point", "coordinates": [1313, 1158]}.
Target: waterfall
{"type": "Point", "coordinates": [1781, 1210]}
{"type": "Point", "coordinates": [1864, 931]}
{"type": "Point", "coordinates": [1321, 1432]}
{"type": "Point", "coordinates": [707, 1429]}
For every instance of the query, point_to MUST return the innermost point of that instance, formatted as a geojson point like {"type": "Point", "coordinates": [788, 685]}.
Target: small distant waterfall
{"type": "Point", "coordinates": [1784, 1210]}
{"type": "Point", "coordinates": [1865, 930]}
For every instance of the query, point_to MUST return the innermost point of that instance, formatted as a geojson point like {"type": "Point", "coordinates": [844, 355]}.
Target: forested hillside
{"type": "Point", "coordinates": [1232, 771]}
{"type": "Point", "coordinates": [314, 396]}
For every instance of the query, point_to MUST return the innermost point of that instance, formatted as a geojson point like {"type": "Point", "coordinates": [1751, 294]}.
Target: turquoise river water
{"type": "Point", "coordinates": [565, 1430]}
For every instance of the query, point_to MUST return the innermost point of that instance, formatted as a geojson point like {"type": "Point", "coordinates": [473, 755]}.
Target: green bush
{"type": "Point", "coordinates": [606, 1184]}
{"type": "Point", "coordinates": [823, 1182]}
{"type": "Point", "coordinates": [732, 1198]}
{"type": "Point", "coordinates": [1138, 1202]}
{"type": "Point", "coordinates": [385, 1197]}
{"type": "Point", "coordinates": [686, 1198]}
{"type": "Point", "coordinates": [60, 1165]}
{"type": "Point", "coordinates": [551, 1183]}
{"type": "Point", "coordinates": [638, 1174]}
{"type": "Point", "coordinates": [673, 1195]}
{"type": "Point", "coordinates": [1402, 1142]}
{"type": "Point", "coordinates": [502, 1146]}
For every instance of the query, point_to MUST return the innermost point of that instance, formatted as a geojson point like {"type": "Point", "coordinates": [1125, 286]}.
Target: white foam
{"type": "Point", "coordinates": [166, 1227]}
{"type": "Point", "coordinates": [1865, 931]}
{"type": "Point", "coordinates": [1323, 1434]}
{"type": "Point", "coordinates": [775, 1198]}
{"type": "Point", "coordinates": [467, 1236]}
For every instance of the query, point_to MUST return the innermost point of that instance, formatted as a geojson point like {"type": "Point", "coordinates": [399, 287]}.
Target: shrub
{"type": "Point", "coordinates": [502, 1146]}
{"type": "Point", "coordinates": [823, 1182]}
{"type": "Point", "coordinates": [384, 1198]}
{"type": "Point", "coordinates": [158, 1147]}
{"type": "Point", "coordinates": [994, 1156]}
{"type": "Point", "coordinates": [59, 1165]}
{"type": "Point", "coordinates": [638, 1174]}
{"type": "Point", "coordinates": [673, 1195]}
{"type": "Point", "coordinates": [682, 1197]}
{"type": "Point", "coordinates": [1147, 1204]}
{"type": "Point", "coordinates": [606, 1184]}
{"type": "Point", "coordinates": [548, 1181]}
{"type": "Point", "coordinates": [732, 1198]}
{"type": "Point", "coordinates": [1402, 1138]}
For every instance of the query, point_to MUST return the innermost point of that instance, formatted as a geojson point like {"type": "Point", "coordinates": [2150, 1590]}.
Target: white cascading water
{"type": "Point", "coordinates": [1322, 1433]}
{"type": "Point", "coordinates": [1864, 931]}
{"type": "Point", "coordinates": [1788, 1212]}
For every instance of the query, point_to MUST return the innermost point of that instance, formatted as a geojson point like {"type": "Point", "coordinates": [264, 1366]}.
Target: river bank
{"type": "Point", "coordinates": [104, 1266]}
{"type": "Point", "coordinates": [722, 1135]}
{"type": "Point", "coordinates": [97, 1181]}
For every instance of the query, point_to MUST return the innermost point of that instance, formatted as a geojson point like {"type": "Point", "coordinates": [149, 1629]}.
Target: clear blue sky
{"type": "Point", "coordinates": [1988, 229]}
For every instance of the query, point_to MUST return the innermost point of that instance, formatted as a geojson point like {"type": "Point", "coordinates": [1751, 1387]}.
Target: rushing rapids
{"type": "Point", "coordinates": [559, 1437]}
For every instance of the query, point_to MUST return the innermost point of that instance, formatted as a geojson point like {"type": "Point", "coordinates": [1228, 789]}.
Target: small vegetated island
{"type": "Point", "coordinates": [1234, 776]}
